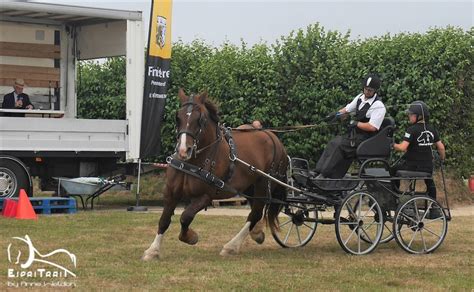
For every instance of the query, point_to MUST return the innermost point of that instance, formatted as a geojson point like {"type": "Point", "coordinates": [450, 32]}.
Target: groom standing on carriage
{"type": "Point", "coordinates": [369, 114]}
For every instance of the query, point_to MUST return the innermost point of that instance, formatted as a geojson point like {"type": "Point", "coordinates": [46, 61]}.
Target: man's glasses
{"type": "Point", "coordinates": [370, 90]}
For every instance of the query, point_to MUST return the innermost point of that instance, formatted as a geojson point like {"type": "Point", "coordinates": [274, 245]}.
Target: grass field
{"type": "Point", "coordinates": [108, 245]}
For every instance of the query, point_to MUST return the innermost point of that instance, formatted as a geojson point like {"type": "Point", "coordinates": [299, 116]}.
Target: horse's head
{"type": "Point", "coordinates": [191, 122]}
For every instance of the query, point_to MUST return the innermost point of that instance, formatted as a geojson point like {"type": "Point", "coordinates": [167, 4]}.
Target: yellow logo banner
{"type": "Point", "coordinates": [160, 31]}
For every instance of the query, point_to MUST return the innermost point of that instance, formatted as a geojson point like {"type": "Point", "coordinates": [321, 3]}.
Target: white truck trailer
{"type": "Point", "coordinates": [41, 43]}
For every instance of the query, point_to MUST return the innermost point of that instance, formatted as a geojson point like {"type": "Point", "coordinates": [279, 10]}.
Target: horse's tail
{"type": "Point", "coordinates": [279, 192]}
{"type": "Point", "coordinates": [273, 208]}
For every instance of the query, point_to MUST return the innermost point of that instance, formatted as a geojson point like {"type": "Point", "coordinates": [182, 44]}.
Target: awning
{"type": "Point", "coordinates": [56, 14]}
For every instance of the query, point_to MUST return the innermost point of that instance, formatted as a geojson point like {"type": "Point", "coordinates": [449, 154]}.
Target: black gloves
{"type": "Point", "coordinates": [352, 125]}
{"type": "Point", "coordinates": [332, 117]}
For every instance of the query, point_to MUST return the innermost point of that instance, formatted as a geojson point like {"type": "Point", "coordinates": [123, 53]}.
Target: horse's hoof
{"type": "Point", "coordinates": [190, 237]}
{"type": "Point", "coordinates": [148, 256]}
{"type": "Point", "coordinates": [259, 237]}
{"type": "Point", "coordinates": [228, 252]}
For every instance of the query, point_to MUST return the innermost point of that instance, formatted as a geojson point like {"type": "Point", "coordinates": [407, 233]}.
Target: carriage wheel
{"type": "Point", "coordinates": [297, 225]}
{"type": "Point", "coordinates": [420, 225]}
{"type": "Point", "coordinates": [359, 223]}
{"type": "Point", "coordinates": [387, 233]}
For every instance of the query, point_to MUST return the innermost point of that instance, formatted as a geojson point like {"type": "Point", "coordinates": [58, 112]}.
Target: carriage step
{"type": "Point", "coordinates": [50, 205]}
{"type": "Point", "coordinates": [236, 201]}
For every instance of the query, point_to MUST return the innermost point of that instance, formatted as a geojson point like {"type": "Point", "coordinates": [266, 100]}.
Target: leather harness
{"type": "Point", "coordinates": [205, 175]}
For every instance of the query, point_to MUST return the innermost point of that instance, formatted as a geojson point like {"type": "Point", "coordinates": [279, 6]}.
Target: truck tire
{"type": "Point", "coordinates": [13, 176]}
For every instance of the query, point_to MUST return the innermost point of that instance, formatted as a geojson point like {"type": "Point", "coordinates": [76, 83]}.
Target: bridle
{"type": "Point", "coordinates": [190, 105]}
{"type": "Point", "coordinates": [205, 171]}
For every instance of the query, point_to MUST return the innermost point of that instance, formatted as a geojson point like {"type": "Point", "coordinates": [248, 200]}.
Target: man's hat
{"type": "Point", "coordinates": [20, 82]}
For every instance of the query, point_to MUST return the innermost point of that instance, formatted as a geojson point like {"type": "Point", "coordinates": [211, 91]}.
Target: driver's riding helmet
{"type": "Point", "coordinates": [420, 109]}
{"type": "Point", "coordinates": [372, 81]}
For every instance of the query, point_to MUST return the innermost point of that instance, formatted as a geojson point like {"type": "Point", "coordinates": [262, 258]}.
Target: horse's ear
{"type": "Point", "coordinates": [202, 97]}
{"type": "Point", "coordinates": [182, 96]}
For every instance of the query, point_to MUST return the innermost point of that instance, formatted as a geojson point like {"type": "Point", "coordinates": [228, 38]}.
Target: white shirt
{"type": "Point", "coordinates": [376, 112]}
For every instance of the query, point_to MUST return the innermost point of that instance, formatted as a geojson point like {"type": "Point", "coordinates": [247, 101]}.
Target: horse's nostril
{"type": "Point", "coordinates": [189, 152]}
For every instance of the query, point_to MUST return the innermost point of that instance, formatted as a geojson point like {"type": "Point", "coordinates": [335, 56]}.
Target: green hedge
{"type": "Point", "coordinates": [101, 89]}
{"type": "Point", "coordinates": [312, 72]}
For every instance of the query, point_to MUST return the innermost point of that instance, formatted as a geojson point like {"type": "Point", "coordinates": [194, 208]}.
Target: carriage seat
{"type": "Point", "coordinates": [409, 173]}
{"type": "Point", "coordinates": [378, 146]}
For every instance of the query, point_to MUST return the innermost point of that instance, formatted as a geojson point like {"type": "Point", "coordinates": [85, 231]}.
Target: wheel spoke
{"type": "Point", "coordinates": [372, 224]}
{"type": "Point", "coordinates": [423, 240]}
{"type": "Point", "coordinates": [372, 207]}
{"type": "Point", "coordinates": [417, 212]}
{"type": "Point", "coordinates": [368, 237]}
{"type": "Point", "coordinates": [359, 239]}
{"type": "Point", "coordinates": [298, 233]}
{"type": "Point", "coordinates": [427, 229]}
{"type": "Point", "coordinates": [350, 235]}
{"type": "Point", "coordinates": [433, 220]}
{"type": "Point", "coordinates": [283, 224]}
{"type": "Point", "coordinates": [310, 227]}
{"type": "Point", "coordinates": [408, 217]}
{"type": "Point", "coordinates": [349, 208]}
{"type": "Point", "coordinates": [413, 237]}
{"type": "Point", "coordinates": [407, 228]}
{"type": "Point", "coordinates": [427, 211]}
{"type": "Point", "coordinates": [387, 227]}
{"type": "Point", "coordinates": [288, 234]}
{"type": "Point", "coordinates": [359, 207]}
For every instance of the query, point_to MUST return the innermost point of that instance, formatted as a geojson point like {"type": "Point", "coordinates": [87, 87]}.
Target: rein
{"type": "Point", "coordinates": [286, 129]}
{"type": "Point", "coordinates": [198, 151]}
{"type": "Point", "coordinates": [324, 122]}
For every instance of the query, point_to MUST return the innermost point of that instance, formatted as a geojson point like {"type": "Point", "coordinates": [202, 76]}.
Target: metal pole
{"type": "Point", "coordinates": [137, 207]}
{"type": "Point", "coordinates": [444, 188]}
{"type": "Point", "coordinates": [254, 169]}
{"type": "Point", "coordinates": [138, 183]}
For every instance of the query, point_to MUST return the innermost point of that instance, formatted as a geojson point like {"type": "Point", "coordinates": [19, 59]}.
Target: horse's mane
{"type": "Point", "coordinates": [212, 109]}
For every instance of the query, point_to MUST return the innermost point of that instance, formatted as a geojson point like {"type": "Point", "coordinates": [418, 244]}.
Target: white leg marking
{"type": "Point", "coordinates": [233, 246]}
{"type": "Point", "coordinates": [154, 250]}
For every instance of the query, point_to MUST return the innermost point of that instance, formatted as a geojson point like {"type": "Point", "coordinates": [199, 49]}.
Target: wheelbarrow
{"type": "Point", "coordinates": [89, 187]}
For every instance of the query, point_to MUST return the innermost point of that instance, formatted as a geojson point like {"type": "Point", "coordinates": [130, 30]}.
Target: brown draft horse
{"type": "Point", "coordinates": [200, 142]}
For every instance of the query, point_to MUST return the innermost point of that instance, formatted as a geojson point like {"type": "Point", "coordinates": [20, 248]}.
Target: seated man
{"type": "Point", "coordinates": [369, 114]}
{"type": "Point", "coordinates": [17, 99]}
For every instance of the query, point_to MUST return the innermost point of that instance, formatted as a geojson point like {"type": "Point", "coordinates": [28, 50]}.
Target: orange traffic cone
{"type": "Point", "coordinates": [10, 208]}
{"type": "Point", "coordinates": [5, 202]}
{"type": "Point", "coordinates": [25, 209]}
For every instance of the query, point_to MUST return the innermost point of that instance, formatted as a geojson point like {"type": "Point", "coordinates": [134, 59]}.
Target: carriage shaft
{"type": "Point", "coordinates": [254, 169]}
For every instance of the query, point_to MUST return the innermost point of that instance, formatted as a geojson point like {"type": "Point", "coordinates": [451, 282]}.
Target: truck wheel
{"type": "Point", "coordinates": [13, 177]}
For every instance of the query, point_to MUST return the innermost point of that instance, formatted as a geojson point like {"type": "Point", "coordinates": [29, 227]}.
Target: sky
{"type": "Point", "coordinates": [221, 21]}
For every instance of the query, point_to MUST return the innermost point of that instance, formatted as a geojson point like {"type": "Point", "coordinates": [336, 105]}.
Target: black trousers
{"type": "Point", "coordinates": [338, 156]}
{"type": "Point", "coordinates": [404, 165]}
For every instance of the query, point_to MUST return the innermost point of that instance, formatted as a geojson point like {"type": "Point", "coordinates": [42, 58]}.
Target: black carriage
{"type": "Point", "coordinates": [368, 207]}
